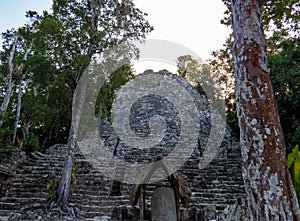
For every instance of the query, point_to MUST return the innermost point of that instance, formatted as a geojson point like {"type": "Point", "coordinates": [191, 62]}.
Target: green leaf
{"type": "Point", "coordinates": [293, 162]}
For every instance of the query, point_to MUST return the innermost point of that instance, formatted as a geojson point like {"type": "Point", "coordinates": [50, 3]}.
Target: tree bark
{"type": "Point", "coordinates": [11, 80]}
{"type": "Point", "coordinates": [268, 184]}
{"type": "Point", "coordinates": [14, 73]}
{"type": "Point", "coordinates": [18, 112]}
{"type": "Point", "coordinates": [65, 183]}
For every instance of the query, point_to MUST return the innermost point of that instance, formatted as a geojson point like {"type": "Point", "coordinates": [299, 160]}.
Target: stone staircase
{"type": "Point", "coordinates": [90, 195]}
{"type": "Point", "coordinates": [220, 183]}
{"type": "Point", "coordinates": [28, 186]}
{"type": "Point", "coordinates": [214, 187]}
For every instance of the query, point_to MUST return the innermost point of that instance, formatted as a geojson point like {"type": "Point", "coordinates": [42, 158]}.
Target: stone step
{"type": "Point", "coordinates": [30, 186]}
{"type": "Point", "coordinates": [37, 170]}
{"type": "Point", "coordinates": [89, 211]}
{"type": "Point", "coordinates": [22, 200]}
{"type": "Point", "coordinates": [15, 191]}
{"type": "Point", "coordinates": [48, 167]}
{"type": "Point", "coordinates": [92, 215]}
{"type": "Point", "coordinates": [31, 178]}
{"type": "Point", "coordinates": [9, 206]}
{"type": "Point", "coordinates": [219, 206]}
{"type": "Point", "coordinates": [91, 191]}
{"type": "Point", "coordinates": [3, 218]}
{"type": "Point", "coordinates": [44, 161]}
{"type": "Point", "coordinates": [90, 179]}
{"type": "Point", "coordinates": [5, 213]}
{"type": "Point", "coordinates": [102, 197]}
{"type": "Point", "coordinates": [88, 203]}
{"type": "Point", "coordinates": [35, 176]}
{"type": "Point", "coordinates": [99, 199]}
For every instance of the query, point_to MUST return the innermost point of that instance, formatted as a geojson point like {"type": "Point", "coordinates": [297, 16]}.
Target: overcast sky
{"type": "Point", "coordinates": [194, 24]}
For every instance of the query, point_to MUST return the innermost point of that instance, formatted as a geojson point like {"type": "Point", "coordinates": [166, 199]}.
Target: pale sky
{"type": "Point", "coordinates": [194, 24]}
{"type": "Point", "coordinates": [12, 12]}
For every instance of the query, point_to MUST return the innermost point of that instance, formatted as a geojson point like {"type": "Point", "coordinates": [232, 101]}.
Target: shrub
{"type": "Point", "coordinates": [52, 187]}
{"type": "Point", "coordinates": [6, 145]}
{"type": "Point", "coordinates": [30, 143]}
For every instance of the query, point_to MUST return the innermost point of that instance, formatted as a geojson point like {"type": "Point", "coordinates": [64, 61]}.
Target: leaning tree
{"type": "Point", "coordinates": [103, 25]}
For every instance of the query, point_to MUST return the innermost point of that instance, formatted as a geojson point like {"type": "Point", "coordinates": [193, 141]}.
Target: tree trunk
{"type": "Point", "coordinates": [268, 184]}
{"type": "Point", "coordinates": [18, 112]}
{"type": "Point", "coordinates": [64, 187]}
{"type": "Point", "coordinates": [8, 94]}
{"type": "Point", "coordinates": [11, 80]}
{"type": "Point", "coordinates": [65, 183]}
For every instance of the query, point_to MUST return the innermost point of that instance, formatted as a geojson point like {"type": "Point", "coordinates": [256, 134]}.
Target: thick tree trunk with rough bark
{"type": "Point", "coordinates": [267, 181]}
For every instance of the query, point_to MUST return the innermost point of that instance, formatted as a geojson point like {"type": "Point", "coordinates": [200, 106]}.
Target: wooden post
{"type": "Point", "coordinates": [142, 202]}
{"type": "Point", "coordinates": [177, 198]}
